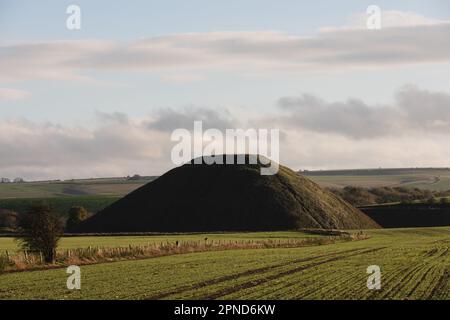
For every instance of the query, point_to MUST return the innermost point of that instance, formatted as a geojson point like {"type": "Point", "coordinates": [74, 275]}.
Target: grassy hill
{"type": "Point", "coordinates": [235, 197]}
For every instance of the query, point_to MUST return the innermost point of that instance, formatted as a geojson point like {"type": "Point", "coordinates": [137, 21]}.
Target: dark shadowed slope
{"type": "Point", "coordinates": [234, 197]}
{"type": "Point", "coordinates": [410, 215]}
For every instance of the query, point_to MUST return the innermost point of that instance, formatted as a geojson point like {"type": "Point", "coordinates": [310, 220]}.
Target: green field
{"type": "Point", "coordinates": [80, 187]}
{"type": "Point", "coordinates": [61, 205]}
{"type": "Point", "coordinates": [8, 243]}
{"type": "Point", "coordinates": [415, 264]}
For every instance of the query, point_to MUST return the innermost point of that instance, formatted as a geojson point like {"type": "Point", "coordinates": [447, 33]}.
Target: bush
{"type": "Point", "coordinates": [39, 231]}
{"type": "Point", "coordinates": [76, 215]}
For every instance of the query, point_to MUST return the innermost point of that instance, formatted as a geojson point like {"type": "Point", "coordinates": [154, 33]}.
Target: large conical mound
{"type": "Point", "coordinates": [227, 197]}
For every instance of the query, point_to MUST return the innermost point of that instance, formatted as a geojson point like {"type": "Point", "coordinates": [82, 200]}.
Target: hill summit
{"type": "Point", "coordinates": [227, 197]}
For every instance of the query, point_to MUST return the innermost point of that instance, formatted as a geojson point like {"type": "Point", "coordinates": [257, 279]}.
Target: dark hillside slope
{"type": "Point", "coordinates": [410, 215]}
{"type": "Point", "coordinates": [227, 197]}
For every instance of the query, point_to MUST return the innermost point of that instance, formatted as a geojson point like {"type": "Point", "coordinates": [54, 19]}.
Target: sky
{"type": "Point", "coordinates": [102, 100]}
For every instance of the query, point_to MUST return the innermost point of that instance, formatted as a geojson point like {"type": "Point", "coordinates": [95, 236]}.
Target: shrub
{"type": "Point", "coordinates": [39, 231]}
{"type": "Point", "coordinates": [76, 215]}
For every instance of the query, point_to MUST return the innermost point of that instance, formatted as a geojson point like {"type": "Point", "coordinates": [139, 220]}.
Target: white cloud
{"type": "Point", "coordinates": [48, 60]}
{"type": "Point", "coordinates": [113, 148]}
{"type": "Point", "coordinates": [389, 19]}
{"type": "Point", "coordinates": [418, 40]}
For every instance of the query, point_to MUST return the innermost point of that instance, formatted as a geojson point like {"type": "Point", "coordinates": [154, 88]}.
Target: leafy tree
{"type": "Point", "coordinates": [40, 230]}
{"type": "Point", "coordinates": [76, 215]}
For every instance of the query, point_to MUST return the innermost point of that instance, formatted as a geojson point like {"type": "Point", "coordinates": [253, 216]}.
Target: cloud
{"type": "Point", "coordinates": [389, 19]}
{"type": "Point", "coordinates": [170, 119]}
{"type": "Point", "coordinates": [352, 118]}
{"type": "Point", "coordinates": [409, 39]}
{"type": "Point", "coordinates": [312, 150]}
{"type": "Point", "coordinates": [48, 60]}
{"type": "Point", "coordinates": [414, 110]}
{"type": "Point", "coordinates": [425, 110]}
{"type": "Point", "coordinates": [413, 131]}
{"type": "Point", "coordinates": [116, 146]}
{"type": "Point", "coordinates": [112, 148]}
{"type": "Point", "coordinates": [13, 94]}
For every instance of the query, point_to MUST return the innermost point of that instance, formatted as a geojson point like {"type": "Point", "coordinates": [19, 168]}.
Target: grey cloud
{"type": "Point", "coordinates": [170, 119]}
{"type": "Point", "coordinates": [414, 110]}
{"type": "Point", "coordinates": [115, 117]}
{"type": "Point", "coordinates": [424, 109]}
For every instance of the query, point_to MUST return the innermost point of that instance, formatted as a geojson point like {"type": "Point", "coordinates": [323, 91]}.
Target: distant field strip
{"type": "Point", "coordinates": [415, 264]}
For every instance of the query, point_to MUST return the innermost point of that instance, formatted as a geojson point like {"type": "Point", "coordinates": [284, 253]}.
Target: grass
{"type": "Point", "coordinates": [414, 265]}
{"type": "Point", "coordinates": [7, 243]}
{"type": "Point", "coordinates": [48, 189]}
{"type": "Point", "coordinates": [24, 260]}
{"type": "Point", "coordinates": [436, 179]}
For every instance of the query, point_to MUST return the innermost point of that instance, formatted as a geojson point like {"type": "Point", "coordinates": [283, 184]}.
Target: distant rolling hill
{"type": "Point", "coordinates": [71, 188]}
{"type": "Point", "coordinates": [235, 197]}
{"type": "Point", "coordinates": [436, 179]}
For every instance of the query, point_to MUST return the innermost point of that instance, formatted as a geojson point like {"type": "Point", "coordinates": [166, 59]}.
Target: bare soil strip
{"type": "Point", "coordinates": [441, 286]}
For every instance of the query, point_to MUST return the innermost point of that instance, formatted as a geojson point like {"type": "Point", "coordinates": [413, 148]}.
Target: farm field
{"type": "Point", "coordinates": [80, 187]}
{"type": "Point", "coordinates": [436, 179]}
{"type": "Point", "coordinates": [415, 264]}
{"type": "Point", "coordinates": [60, 205]}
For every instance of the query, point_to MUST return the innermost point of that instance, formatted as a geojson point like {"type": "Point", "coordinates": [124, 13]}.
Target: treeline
{"type": "Point", "coordinates": [10, 220]}
{"type": "Point", "coordinates": [359, 196]}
